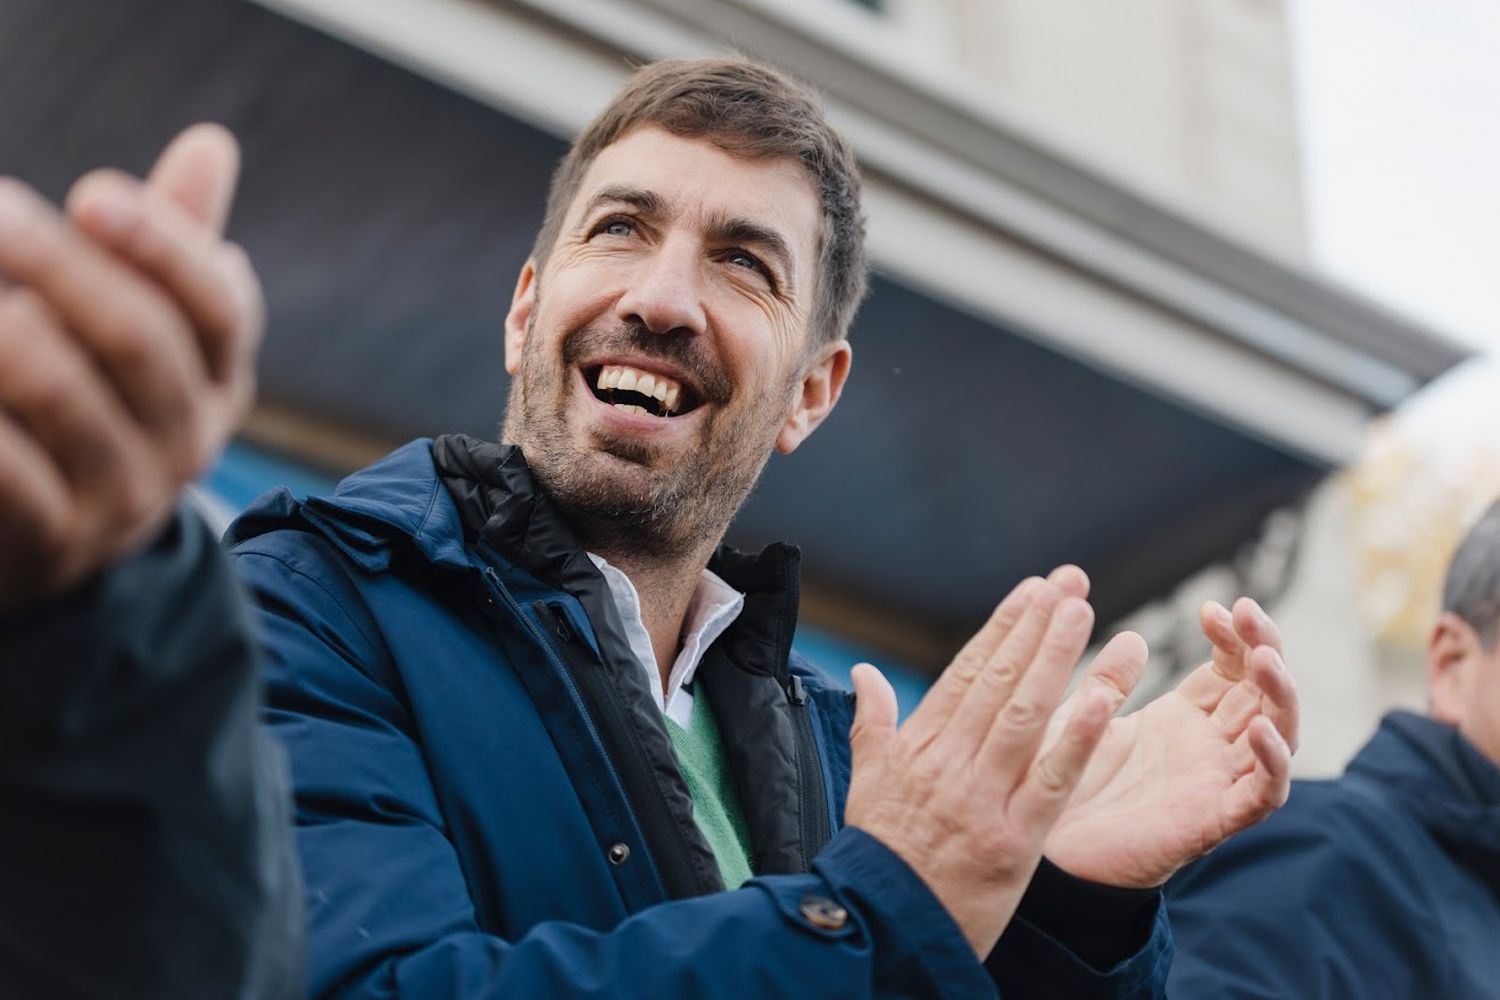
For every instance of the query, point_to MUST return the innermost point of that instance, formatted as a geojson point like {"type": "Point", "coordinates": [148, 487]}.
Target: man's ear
{"type": "Point", "coordinates": [1450, 655]}
{"type": "Point", "coordinates": [518, 319]}
{"type": "Point", "coordinates": [822, 384]}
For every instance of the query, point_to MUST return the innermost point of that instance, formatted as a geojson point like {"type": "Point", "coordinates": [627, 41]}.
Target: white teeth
{"type": "Point", "coordinates": [665, 390]}
{"type": "Point", "coordinates": [631, 408]}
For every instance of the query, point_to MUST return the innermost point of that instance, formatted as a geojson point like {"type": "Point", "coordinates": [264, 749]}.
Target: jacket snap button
{"type": "Point", "coordinates": [820, 911]}
{"type": "Point", "coordinates": [619, 854]}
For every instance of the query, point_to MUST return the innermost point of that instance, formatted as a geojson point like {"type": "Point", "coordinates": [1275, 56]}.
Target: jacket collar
{"type": "Point", "coordinates": [1450, 787]}
{"type": "Point", "coordinates": [444, 496]}
{"type": "Point", "coordinates": [499, 503]}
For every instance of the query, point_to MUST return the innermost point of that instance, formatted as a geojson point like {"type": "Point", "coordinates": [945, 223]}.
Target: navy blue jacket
{"type": "Point", "coordinates": [1382, 883]}
{"type": "Point", "coordinates": [487, 804]}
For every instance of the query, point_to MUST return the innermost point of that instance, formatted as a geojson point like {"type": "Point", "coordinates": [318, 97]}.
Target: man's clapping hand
{"type": "Point", "coordinates": [990, 772]}
{"type": "Point", "coordinates": [962, 792]}
{"type": "Point", "coordinates": [128, 334]}
{"type": "Point", "coordinates": [1171, 781]}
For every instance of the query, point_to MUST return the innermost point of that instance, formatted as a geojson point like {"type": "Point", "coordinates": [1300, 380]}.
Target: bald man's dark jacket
{"type": "Point", "coordinates": [1382, 883]}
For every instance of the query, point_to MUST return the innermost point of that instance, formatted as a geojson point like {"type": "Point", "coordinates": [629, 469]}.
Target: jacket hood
{"type": "Point", "coordinates": [1452, 788]}
{"type": "Point", "coordinates": [397, 499]}
{"type": "Point", "coordinates": [441, 496]}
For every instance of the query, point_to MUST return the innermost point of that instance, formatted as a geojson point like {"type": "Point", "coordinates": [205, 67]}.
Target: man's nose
{"type": "Point", "coordinates": [666, 291]}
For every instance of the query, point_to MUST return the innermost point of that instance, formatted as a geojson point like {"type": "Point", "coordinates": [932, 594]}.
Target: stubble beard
{"type": "Point", "coordinates": [619, 494]}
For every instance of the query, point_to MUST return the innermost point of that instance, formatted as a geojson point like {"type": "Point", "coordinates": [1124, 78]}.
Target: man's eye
{"type": "Point", "coordinates": [740, 258]}
{"type": "Point", "coordinates": [615, 227]}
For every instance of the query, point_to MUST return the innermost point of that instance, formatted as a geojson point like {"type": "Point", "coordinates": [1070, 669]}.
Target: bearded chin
{"type": "Point", "coordinates": [620, 505]}
{"type": "Point", "coordinates": [613, 496]}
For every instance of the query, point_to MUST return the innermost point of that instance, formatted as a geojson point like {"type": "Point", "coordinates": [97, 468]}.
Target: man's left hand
{"type": "Point", "coordinates": [1171, 781]}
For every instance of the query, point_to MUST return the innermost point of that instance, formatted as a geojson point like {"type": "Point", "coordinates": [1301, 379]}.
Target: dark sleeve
{"type": "Point", "coordinates": [1325, 898]}
{"type": "Point", "coordinates": [1076, 939]}
{"type": "Point", "coordinates": [145, 848]}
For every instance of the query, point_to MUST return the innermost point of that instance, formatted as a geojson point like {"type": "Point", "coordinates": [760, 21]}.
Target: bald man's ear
{"type": "Point", "coordinates": [822, 384]}
{"type": "Point", "coordinates": [1451, 655]}
{"type": "Point", "coordinates": [518, 319]}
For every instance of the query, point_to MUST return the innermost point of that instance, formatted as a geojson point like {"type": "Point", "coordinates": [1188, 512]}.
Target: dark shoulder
{"type": "Point", "coordinates": [1338, 810]}
{"type": "Point", "coordinates": [1329, 896]}
{"type": "Point", "coordinates": [293, 552]}
{"type": "Point", "coordinates": [1342, 836]}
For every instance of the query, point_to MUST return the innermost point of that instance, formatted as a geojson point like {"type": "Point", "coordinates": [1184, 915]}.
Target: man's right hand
{"type": "Point", "coordinates": [960, 791]}
{"type": "Point", "coordinates": [128, 333]}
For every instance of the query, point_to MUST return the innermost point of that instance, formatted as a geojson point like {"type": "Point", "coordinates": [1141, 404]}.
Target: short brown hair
{"type": "Point", "coordinates": [750, 110]}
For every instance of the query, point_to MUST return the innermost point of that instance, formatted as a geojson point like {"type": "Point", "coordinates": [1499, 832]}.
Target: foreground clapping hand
{"type": "Point", "coordinates": [128, 333]}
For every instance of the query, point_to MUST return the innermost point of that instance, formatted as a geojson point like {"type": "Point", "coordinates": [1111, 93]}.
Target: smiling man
{"type": "Point", "coordinates": [549, 737]}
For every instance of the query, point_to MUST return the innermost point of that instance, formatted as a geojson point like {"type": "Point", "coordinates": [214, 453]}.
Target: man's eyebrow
{"type": "Point", "coordinates": [726, 229]}
{"type": "Point", "coordinates": [744, 231]}
{"type": "Point", "coordinates": [646, 201]}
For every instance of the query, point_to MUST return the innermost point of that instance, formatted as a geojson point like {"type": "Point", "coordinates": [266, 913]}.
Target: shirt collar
{"type": "Point", "coordinates": [713, 608]}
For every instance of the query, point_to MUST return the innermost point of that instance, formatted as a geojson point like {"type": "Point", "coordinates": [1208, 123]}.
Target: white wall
{"type": "Point", "coordinates": [1192, 97]}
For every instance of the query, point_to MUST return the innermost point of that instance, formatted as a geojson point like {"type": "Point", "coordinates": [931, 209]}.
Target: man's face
{"type": "Point", "coordinates": [1464, 683]}
{"type": "Point", "coordinates": [665, 351]}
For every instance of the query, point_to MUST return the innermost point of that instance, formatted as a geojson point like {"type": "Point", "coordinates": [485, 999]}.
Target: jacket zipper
{"type": "Point", "coordinates": [492, 580]}
{"type": "Point", "coordinates": [814, 801]}
{"type": "Point", "coordinates": [811, 791]}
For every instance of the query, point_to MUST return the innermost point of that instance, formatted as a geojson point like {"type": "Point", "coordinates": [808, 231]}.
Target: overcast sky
{"type": "Point", "coordinates": [1401, 129]}
{"type": "Point", "coordinates": [1400, 106]}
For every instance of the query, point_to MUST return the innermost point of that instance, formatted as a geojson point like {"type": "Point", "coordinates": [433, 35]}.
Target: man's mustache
{"type": "Point", "coordinates": [681, 349]}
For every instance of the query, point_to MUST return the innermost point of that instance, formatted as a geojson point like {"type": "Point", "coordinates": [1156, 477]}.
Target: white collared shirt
{"type": "Point", "coordinates": [714, 606]}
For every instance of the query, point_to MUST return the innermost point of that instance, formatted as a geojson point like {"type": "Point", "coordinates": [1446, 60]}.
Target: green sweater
{"type": "Point", "coordinates": [716, 803]}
